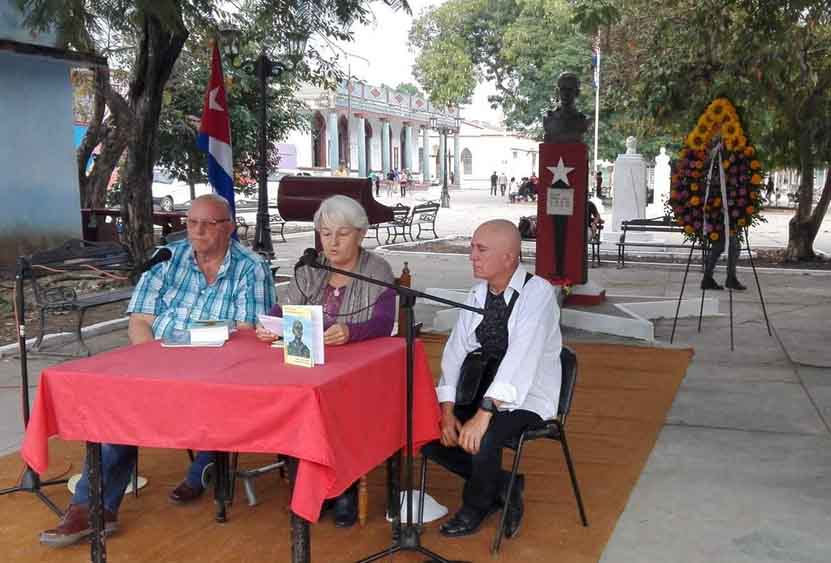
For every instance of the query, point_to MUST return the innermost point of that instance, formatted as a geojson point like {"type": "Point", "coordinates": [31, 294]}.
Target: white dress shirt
{"type": "Point", "coordinates": [529, 376]}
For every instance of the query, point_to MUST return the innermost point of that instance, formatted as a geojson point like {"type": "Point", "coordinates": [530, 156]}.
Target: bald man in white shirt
{"type": "Point", "coordinates": [520, 341]}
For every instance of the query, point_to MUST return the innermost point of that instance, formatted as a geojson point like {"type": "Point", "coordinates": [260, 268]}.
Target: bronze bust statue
{"type": "Point", "coordinates": [565, 124]}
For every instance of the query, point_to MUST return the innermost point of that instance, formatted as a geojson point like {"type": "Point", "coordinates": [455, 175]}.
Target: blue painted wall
{"type": "Point", "coordinates": [39, 181]}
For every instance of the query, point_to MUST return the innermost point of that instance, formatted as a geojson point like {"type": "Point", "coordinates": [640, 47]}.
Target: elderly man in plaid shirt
{"type": "Point", "coordinates": [209, 276]}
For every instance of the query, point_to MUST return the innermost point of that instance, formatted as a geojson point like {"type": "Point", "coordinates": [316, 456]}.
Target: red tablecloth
{"type": "Point", "coordinates": [340, 420]}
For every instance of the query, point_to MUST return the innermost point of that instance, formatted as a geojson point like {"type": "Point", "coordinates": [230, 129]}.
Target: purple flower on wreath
{"type": "Point", "coordinates": [735, 213]}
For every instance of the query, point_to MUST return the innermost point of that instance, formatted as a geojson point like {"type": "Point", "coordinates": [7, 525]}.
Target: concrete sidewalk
{"type": "Point", "coordinates": [742, 469]}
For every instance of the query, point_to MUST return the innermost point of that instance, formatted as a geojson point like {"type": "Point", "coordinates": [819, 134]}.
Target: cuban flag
{"type": "Point", "coordinates": [215, 134]}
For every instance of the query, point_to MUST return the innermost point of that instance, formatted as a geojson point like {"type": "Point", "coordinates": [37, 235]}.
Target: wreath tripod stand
{"type": "Point", "coordinates": [730, 290]}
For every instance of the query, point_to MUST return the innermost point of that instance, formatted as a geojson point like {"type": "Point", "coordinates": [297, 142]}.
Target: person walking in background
{"type": "Point", "coordinates": [598, 184]}
{"type": "Point", "coordinates": [511, 185]}
{"type": "Point", "coordinates": [390, 182]}
{"type": "Point", "coordinates": [769, 190]}
{"type": "Point", "coordinates": [377, 179]}
{"type": "Point", "coordinates": [494, 178]}
{"type": "Point", "coordinates": [402, 182]}
{"type": "Point", "coordinates": [503, 184]}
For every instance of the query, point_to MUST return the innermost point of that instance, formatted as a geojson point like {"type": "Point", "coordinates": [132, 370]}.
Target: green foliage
{"type": "Point", "coordinates": [409, 88]}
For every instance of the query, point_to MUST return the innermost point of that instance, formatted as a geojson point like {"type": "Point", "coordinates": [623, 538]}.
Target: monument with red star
{"type": "Point", "coordinates": [563, 190]}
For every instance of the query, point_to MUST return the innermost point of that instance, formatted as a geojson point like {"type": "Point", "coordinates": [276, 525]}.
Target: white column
{"type": "Point", "coordinates": [425, 154]}
{"type": "Point", "coordinates": [442, 163]}
{"type": "Point", "coordinates": [457, 177]}
{"type": "Point", "coordinates": [385, 147]}
{"type": "Point", "coordinates": [361, 132]}
{"type": "Point", "coordinates": [409, 154]}
{"type": "Point", "coordinates": [334, 156]}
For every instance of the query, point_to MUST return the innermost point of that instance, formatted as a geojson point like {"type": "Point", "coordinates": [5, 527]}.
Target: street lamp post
{"type": "Point", "coordinates": [264, 68]}
{"type": "Point", "coordinates": [444, 130]}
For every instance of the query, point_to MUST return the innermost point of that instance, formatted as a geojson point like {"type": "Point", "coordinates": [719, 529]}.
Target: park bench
{"type": "Point", "coordinates": [395, 228]}
{"type": "Point", "coordinates": [663, 224]}
{"type": "Point", "coordinates": [424, 217]}
{"type": "Point", "coordinates": [56, 277]}
{"type": "Point", "coordinates": [242, 228]}
{"type": "Point", "coordinates": [274, 221]}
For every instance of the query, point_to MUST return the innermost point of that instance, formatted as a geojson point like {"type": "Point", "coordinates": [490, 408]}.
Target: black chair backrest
{"type": "Point", "coordinates": [568, 362]}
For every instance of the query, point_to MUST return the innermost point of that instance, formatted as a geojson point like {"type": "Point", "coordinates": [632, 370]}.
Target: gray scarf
{"type": "Point", "coordinates": [307, 288]}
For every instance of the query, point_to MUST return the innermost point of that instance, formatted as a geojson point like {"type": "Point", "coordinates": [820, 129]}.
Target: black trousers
{"type": "Point", "coordinates": [482, 472]}
{"type": "Point", "coordinates": [716, 249]}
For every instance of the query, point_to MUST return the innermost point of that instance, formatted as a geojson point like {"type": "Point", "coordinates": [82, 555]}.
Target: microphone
{"type": "Point", "coordinates": [309, 258]}
{"type": "Point", "coordinates": [162, 255]}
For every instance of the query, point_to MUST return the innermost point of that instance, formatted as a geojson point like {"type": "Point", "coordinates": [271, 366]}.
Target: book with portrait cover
{"type": "Point", "coordinates": [303, 335]}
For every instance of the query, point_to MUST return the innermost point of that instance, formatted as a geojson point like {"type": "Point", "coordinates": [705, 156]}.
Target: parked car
{"type": "Point", "coordinates": [169, 194]}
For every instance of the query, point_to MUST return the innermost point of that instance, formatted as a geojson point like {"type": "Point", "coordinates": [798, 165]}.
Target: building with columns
{"type": "Point", "coordinates": [390, 130]}
{"type": "Point", "coordinates": [366, 129]}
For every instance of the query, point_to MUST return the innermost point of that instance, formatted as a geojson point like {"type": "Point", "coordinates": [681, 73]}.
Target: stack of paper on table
{"type": "Point", "coordinates": [209, 332]}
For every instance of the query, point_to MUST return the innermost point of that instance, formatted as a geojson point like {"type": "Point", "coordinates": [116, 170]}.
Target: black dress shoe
{"type": "Point", "coordinates": [734, 283]}
{"type": "Point", "coordinates": [707, 282]}
{"type": "Point", "coordinates": [184, 493]}
{"type": "Point", "coordinates": [516, 508]}
{"type": "Point", "coordinates": [464, 523]}
{"type": "Point", "coordinates": [346, 508]}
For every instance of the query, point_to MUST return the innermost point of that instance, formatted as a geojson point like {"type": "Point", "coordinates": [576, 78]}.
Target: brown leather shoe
{"type": "Point", "coordinates": [74, 526]}
{"type": "Point", "coordinates": [184, 493]}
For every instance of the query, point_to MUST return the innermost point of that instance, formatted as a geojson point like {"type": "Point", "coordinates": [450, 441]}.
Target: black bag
{"type": "Point", "coordinates": [477, 366]}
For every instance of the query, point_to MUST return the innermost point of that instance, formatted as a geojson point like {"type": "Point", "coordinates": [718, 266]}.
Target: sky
{"type": "Point", "coordinates": [380, 53]}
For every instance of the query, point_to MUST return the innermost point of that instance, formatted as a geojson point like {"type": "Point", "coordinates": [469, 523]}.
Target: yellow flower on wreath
{"type": "Point", "coordinates": [741, 222]}
{"type": "Point", "coordinates": [689, 229]}
{"type": "Point", "coordinates": [756, 179]}
{"type": "Point", "coordinates": [714, 236]}
{"type": "Point", "coordinates": [694, 187]}
{"type": "Point", "coordinates": [695, 201]}
{"type": "Point", "coordinates": [741, 143]}
{"type": "Point", "coordinates": [755, 164]}
{"type": "Point", "coordinates": [749, 151]}
{"type": "Point", "coordinates": [696, 141]}
{"type": "Point", "coordinates": [730, 130]}
{"type": "Point", "coordinates": [717, 108]}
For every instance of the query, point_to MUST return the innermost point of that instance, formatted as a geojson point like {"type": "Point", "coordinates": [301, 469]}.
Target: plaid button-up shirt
{"type": "Point", "coordinates": [177, 293]}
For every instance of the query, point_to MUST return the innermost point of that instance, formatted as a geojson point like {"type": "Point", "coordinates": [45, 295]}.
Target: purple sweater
{"type": "Point", "coordinates": [380, 324]}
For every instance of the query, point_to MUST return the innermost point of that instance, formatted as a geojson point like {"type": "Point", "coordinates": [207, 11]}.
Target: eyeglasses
{"type": "Point", "coordinates": [209, 224]}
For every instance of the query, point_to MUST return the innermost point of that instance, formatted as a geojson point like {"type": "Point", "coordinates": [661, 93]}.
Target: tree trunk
{"type": "Point", "coordinates": [158, 50]}
{"type": "Point", "coordinates": [802, 232]}
{"type": "Point", "coordinates": [801, 229]}
{"type": "Point", "coordinates": [111, 134]}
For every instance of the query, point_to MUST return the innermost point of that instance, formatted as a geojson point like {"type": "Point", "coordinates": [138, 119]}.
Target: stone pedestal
{"type": "Point", "coordinates": [629, 182]}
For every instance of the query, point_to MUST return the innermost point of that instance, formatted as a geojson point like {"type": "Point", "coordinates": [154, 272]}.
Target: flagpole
{"type": "Point", "coordinates": [596, 101]}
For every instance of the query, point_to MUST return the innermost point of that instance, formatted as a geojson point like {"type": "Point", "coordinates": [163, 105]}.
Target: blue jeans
{"type": "Point", "coordinates": [117, 463]}
{"type": "Point", "coordinates": [200, 461]}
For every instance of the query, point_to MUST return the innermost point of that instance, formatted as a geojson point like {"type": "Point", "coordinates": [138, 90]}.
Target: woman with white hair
{"type": "Point", "coordinates": [353, 310]}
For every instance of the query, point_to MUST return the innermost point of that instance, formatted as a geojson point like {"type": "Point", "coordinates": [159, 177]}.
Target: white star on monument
{"type": "Point", "coordinates": [212, 103]}
{"type": "Point", "coordinates": [561, 172]}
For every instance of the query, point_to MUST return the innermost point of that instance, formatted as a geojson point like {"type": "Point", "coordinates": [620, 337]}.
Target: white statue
{"type": "Point", "coordinates": [631, 145]}
{"type": "Point", "coordinates": [660, 185]}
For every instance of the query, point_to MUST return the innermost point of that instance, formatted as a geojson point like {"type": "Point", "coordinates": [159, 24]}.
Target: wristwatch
{"type": "Point", "coordinates": [487, 404]}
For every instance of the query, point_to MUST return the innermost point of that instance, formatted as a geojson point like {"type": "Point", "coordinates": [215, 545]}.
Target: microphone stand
{"type": "Point", "coordinates": [30, 481]}
{"type": "Point", "coordinates": [409, 536]}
